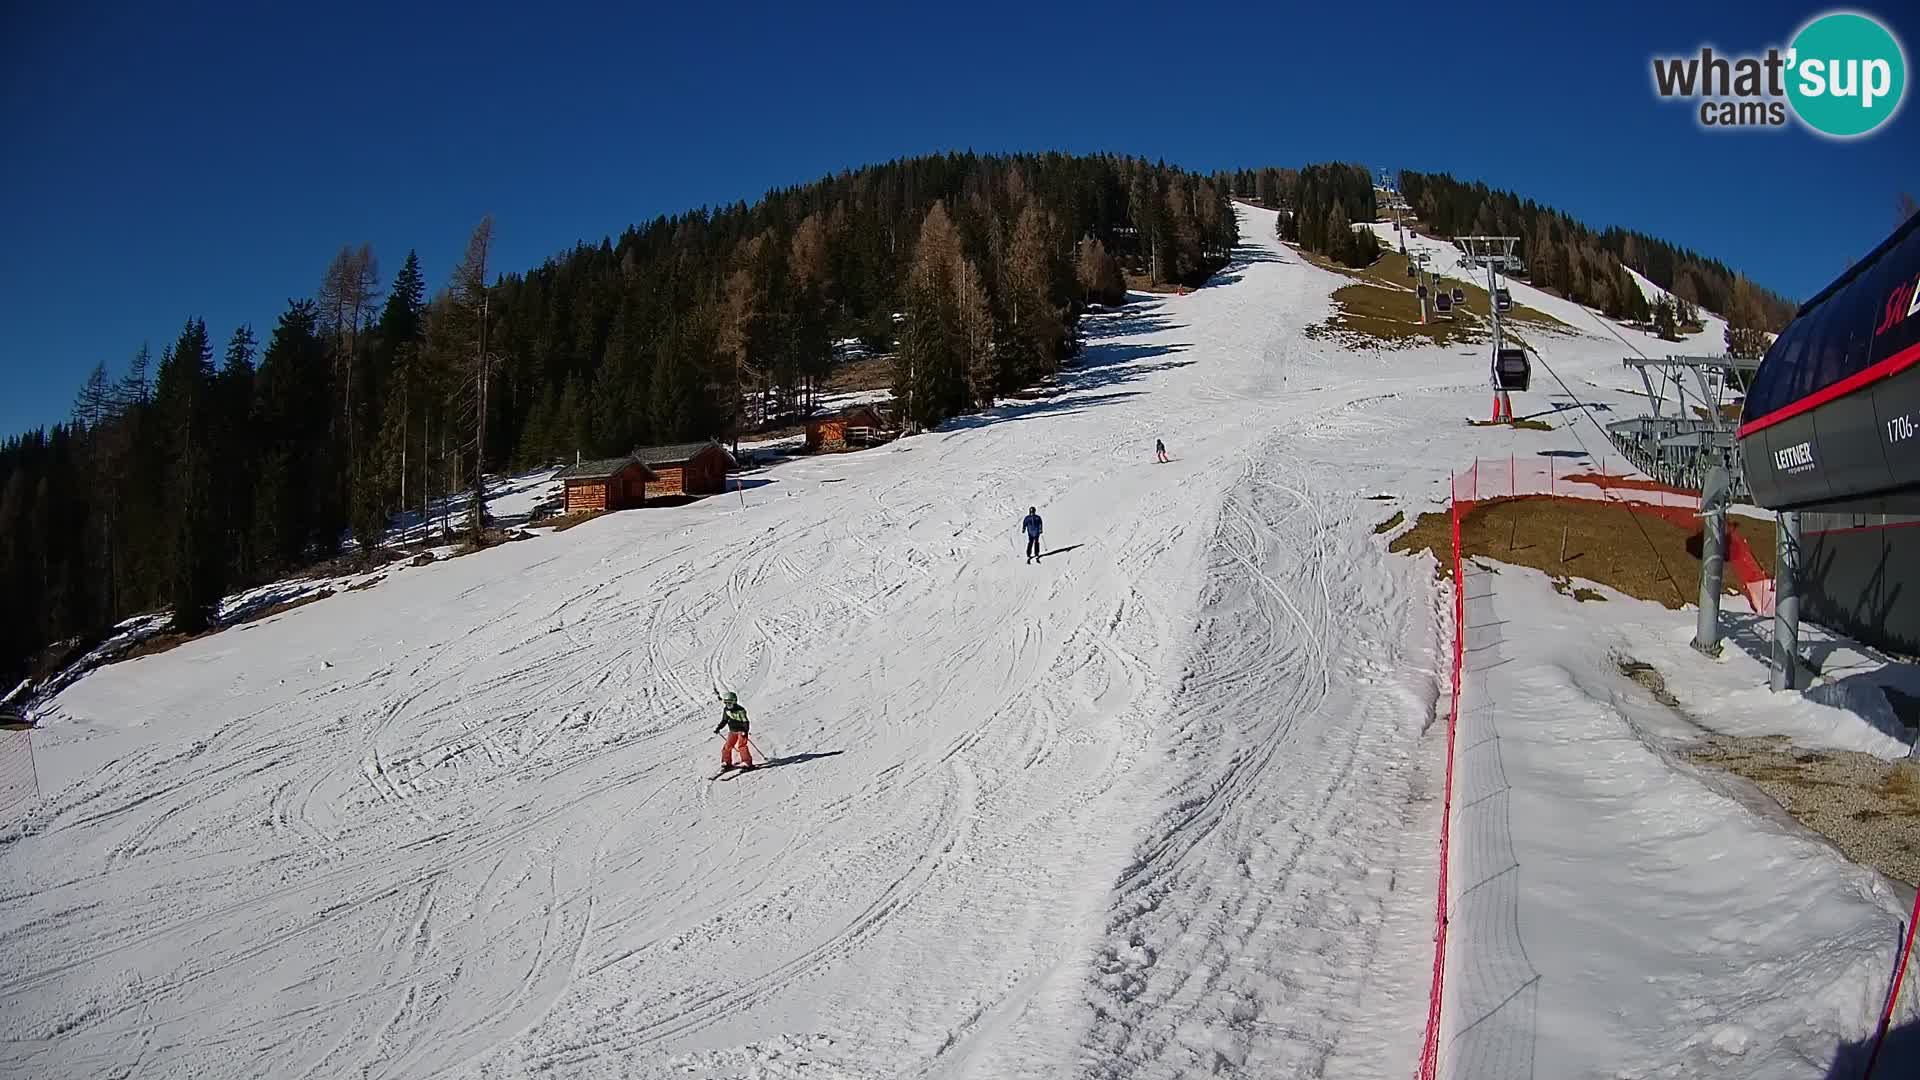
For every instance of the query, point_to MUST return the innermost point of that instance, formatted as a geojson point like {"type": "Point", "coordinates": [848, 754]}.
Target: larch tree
{"type": "Point", "coordinates": [472, 312]}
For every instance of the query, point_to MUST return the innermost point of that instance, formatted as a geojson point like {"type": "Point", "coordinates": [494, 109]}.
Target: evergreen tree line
{"type": "Point", "coordinates": [180, 482]}
{"type": "Point", "coordinates": [1589, 266]}
{"type": "Point", "coordinates": [1326, 202]}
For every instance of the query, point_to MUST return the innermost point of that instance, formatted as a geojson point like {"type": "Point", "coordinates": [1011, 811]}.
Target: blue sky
{"type": "Point", "coordinates": [163, 164]}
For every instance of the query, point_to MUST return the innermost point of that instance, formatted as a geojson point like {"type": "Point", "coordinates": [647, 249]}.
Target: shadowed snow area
{"type": "Point", "coordinates": [1163, 805]}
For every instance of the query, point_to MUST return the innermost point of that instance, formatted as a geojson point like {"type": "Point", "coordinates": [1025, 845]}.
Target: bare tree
{"type": "Point", "coordinates": [348, 294]}
{"type": "Point", "coordinates": [472, 310]}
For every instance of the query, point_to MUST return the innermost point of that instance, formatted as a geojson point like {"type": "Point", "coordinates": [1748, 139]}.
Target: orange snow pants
{"type": "Point", "coordinates": [735, 740]}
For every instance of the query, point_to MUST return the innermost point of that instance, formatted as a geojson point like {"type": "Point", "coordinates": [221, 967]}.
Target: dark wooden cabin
{"type": "Point", "coordinates": [685, 469]}
{"type": "Point", "coordinates": [608, 484]}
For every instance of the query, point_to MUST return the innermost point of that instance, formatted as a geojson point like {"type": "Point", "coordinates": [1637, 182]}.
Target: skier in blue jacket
{"type": "Point", "coordinates": [1031, 525]}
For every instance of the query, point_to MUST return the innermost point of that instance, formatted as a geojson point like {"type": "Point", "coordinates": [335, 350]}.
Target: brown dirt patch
{"type": "Point", "coordinates": [1628, 549]}
{"type": "Point", "coordinates": [568, 521]}
{"type": "Point", "coordinates": [866, 373]}
{"type": "Point", "coordinates": [1390, 524]}
{"type": "Point", "coordinates": [1869, 808]}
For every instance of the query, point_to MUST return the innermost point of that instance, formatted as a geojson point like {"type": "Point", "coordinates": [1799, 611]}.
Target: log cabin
{"type": "Point", "coordinates": [604, 485]}
{"type": "Point", "coordinates": [829, 431]}
{"type": "Point", "coordinates": [685, 469]}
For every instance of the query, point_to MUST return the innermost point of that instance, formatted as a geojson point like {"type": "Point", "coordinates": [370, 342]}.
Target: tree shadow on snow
{"type": "Point", "coordinates": [1900, 1056]}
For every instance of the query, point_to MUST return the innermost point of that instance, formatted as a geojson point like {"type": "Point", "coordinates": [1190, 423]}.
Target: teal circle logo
{"type": "Point", "coordinates": [1846, 74]}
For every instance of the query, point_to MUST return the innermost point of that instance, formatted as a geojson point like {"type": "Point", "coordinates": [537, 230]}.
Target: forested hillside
{"type": "Point", "coordinates": [209, 468]}
{"type": "Point", "coordinates": [188, 477]}
{"type": "Point", "coordinates": [1585, 265]}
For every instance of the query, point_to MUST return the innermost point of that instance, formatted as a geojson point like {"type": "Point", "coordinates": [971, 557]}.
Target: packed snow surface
{"type": "Point", "coordinates": [1163, 805]}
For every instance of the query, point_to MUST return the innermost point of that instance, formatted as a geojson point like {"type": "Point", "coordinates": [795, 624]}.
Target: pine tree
{"type": "Point", "coordinates": [1664, 321]}
{"type": "Point", "coordinates": [1339, 235]}
{"type": "Point", "coordinates": [183, 395]}
{"type": "Point", "coordinates": [235, 450]}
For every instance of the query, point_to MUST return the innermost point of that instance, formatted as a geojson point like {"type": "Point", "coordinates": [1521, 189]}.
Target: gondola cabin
{"type": "Point", "coordinates": [1442, 302]}
{"type": "Point", "coordinates": [1502, 301]}
{"type": "Point", "coordinates": [1459, 295]}
{"type": "Point", "coordinates": [1511, 370]}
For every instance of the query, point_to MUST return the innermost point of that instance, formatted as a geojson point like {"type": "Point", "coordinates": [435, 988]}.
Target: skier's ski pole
{"type": "Point", "coordinates": [764, 756]}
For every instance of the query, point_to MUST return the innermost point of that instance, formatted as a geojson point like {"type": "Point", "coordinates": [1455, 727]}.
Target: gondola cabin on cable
{"type": "Point", "coordinates": [686, 469]}
{"type": "Point", "coordinates": [1512, 371]}
{"type": "Point", "coordinates": [1459, 295]}
{"type": "Point", "coordinates": [1502, 301]}
{"type": "Point", "coordinates": [1411, 272]}
{"type": "Point", "coordinates": [1442, 301]}
{"type": "Point", "coordinates": [608, 484]}
{"type": "Point", "coordinates": [1831, 429]}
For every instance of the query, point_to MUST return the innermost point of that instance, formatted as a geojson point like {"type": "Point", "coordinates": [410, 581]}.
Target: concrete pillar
{"type": "Point", "coordinates": [1786, 606]}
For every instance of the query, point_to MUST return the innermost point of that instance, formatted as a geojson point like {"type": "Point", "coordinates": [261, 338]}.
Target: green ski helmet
{"type": "Point", "coordinates": [731, 698]}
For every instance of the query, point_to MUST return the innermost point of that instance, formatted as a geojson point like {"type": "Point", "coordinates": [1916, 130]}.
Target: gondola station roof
{"type": "Point", "coordinates": [1833, 415]}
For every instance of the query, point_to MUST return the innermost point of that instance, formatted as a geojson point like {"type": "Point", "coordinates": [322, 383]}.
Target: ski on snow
{"type": "Point", "coordinates": [730, 773]}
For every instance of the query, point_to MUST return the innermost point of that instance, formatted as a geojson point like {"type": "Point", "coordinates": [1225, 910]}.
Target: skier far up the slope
{"type": "Point", "coordinates": [1160, 451]}
{"type": "Point", "coordinates": [733, 718]}
{"type": "Point", "coordinates": [1031, 526]}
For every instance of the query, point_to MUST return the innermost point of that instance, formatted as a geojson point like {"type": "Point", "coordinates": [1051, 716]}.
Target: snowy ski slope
{"type": "Point", "coordinates": [1161, 806]}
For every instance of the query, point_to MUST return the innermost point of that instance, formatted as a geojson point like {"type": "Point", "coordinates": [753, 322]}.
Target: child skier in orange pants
{"type": "Point", "coordinates": [734, 719]}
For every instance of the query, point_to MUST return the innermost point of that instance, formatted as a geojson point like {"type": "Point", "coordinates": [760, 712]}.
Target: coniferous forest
{"type": "Point", "coordinates": [215, 465]}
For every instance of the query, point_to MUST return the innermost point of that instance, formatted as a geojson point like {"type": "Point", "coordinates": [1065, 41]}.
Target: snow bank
{"type": "Point", "coordinates": [1590, 866]}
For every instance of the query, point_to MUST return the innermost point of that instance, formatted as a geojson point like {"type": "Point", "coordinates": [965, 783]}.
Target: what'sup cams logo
{"type": "Point", "coordinates": [1843, 75]}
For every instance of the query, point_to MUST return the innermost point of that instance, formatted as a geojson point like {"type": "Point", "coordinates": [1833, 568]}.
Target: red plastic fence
{"type": "Point", "coordinates": [1430, 1045]}
{"type": "Point", "coordinates": [1493, 478]}
{"type": "Point", "coordinates": [1893, 992]}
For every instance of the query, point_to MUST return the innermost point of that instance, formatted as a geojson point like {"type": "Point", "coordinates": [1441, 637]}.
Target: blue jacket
{"type": "Point", "coordinates": [1031, 523]}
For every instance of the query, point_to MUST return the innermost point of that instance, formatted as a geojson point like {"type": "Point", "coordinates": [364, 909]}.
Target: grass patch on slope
{"type": "Point", "coordinates": [1606, 543]}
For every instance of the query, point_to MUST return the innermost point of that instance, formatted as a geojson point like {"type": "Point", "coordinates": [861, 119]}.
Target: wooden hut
{"type": "Point", "coordinates": [859, 425]}
{"type": "Point", "coordinates": [686, 469]}
{"type": "Point", "coordinates": [608, 484]}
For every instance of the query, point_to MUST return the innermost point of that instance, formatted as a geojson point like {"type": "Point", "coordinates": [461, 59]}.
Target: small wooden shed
{"type": "Point", "coordinates": [607, 484]}
{"type": "Point", "coordinates": [859, 425]}
{"type": "Point", "coordinates": [686, 469]}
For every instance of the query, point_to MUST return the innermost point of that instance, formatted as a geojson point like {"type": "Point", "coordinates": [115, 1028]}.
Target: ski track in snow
{"type": "Point", "coordinates": [1157, 807]}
